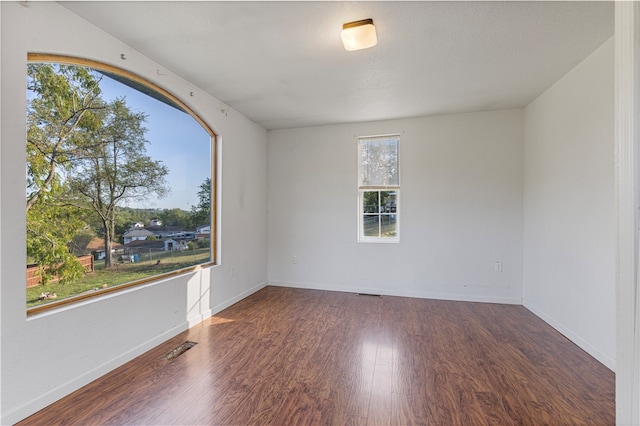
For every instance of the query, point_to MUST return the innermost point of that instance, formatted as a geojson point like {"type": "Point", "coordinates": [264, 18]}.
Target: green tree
{"type": "Point", "coordinates": [175, 217]}
{"type": "Point", "coordinates": [201, 214]}
{"type": "Point", "coordinates": [62, 106]}
{"type": "Point", "coordinates": [50, 229]}
{"type": "Point", "coordinates": [115, 168]}
{"type": "Point", "coordinates": [81, 240]}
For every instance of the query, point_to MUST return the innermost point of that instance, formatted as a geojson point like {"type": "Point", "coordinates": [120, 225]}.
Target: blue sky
{"type": "Point", "coordinates": [176, 139]}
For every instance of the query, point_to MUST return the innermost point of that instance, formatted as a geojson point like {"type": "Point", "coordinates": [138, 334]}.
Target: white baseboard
{"type": "Point", "coordinates": [197, 319]}
{"type": "Point", "coordinates": [417, 294]}
{"type": "Point", "coordinates": [602, 357]}
{"type": "Point", "coordinates": [76, 383]}
{"type": "Point", "coordinates": [224, 305]}
{"type": "Point", "coordinates": [55, 394]}
{"type": "Point", "coordinates": [605, 359]}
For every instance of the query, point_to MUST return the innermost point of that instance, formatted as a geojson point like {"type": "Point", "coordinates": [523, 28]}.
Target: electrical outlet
{"type": "Point", "coordinates": [233, 271]}
{"type": "Point", "coordinates": [294, 260]}
{"type": "Point", "coordinates": [497, 266]}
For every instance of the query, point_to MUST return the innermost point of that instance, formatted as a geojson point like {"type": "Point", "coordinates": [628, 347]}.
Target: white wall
{"type": "Point", "coordinates": [569, 226]}
{"type": "Point", "coordinates": [48, 356]}
{"type": "Point", "coordinates": [461, 209]}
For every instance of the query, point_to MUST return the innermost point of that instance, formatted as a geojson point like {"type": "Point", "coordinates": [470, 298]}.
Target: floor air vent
{"type": "Point", "coordinates": [175, 353]}
{"type": "Point", "coordinates": [369, 294]}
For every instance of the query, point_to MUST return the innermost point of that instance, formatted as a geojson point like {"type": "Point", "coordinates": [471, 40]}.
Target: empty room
{"type": "Point", "coordinates": [319, 212]}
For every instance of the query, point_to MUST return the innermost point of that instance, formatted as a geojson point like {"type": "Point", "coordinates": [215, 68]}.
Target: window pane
{"type": "Point", "coordinates": [389, 225]}
{"type": "Point", "coordinates": [379, 162]}
{"type": "Point", "coordinates": [370, 202]}
{"type": "Point", "coordinates": [370, 226]}
{"type": "Point", "coordinates": [388, 202]}
{"type": "Point", "coordinates": [115, 199]}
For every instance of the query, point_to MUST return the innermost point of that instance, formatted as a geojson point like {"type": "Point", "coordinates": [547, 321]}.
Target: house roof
{"type": "Point", "coordinates": [138, 233]}
{"type": "Point", "coordinates": [282, 64]}
{"type": "Point", "coordinates": [165, 229]}
{"type": "Point", "coordinates": [97, 244]}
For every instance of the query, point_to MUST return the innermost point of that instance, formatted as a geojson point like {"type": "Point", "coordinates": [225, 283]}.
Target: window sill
{"type": "Point", "coordinates": [379, 240]}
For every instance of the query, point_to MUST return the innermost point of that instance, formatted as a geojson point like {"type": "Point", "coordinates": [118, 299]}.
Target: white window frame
{"type": "Point", "coordinates": [362, 188]}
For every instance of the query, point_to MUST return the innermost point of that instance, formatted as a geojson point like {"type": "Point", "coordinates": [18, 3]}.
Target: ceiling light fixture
{"type": "Point", "coordinates": [359, 35]}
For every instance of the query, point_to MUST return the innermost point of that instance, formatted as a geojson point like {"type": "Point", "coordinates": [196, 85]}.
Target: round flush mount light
{"type": "Point", "coordinates": [358, 35]}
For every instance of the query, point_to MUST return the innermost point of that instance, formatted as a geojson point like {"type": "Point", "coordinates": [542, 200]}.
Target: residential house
{"type": "Point", "coordinates": [137, 234]}
{"type": "Point", "coordinates": [176, 243]}
{"type": "Point", "coordinates": [203, 231]}
{"type": "Point", "coordinates": [166, 244]}
{"type": "Point", "coordinates": [96, 247]}
{"type": "Point", "coordinates": [166, 231]}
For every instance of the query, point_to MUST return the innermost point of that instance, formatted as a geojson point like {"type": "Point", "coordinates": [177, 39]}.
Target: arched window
{"type": "Point", "coordinates": [120, 182]}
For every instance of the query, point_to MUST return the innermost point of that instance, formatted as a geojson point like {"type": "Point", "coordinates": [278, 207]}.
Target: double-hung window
{"type": "Point", "coordinates": [379, 189]}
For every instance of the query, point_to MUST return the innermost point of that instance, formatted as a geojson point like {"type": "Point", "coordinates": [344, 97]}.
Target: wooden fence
{"type": "Point", "coordinates": [33, 272]}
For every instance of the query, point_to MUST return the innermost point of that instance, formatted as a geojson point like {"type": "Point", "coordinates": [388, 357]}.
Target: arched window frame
{"type": "Point", "coordinates": [100, 66]}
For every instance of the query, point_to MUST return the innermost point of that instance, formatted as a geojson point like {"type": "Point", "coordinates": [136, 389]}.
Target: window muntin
{"type": "Point", "coordinates": [378, 189]}
{"type": "Point", "coordinates": [197, 245]}
{"type": "Point", "coordinates": [380, 214]}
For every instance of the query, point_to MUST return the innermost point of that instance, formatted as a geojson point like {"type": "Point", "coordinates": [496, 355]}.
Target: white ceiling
{"type": "Point", "coordinates": [282, 64]}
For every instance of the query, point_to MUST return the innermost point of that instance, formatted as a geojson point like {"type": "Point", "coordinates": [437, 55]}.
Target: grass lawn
{"type": "Point", "coordinates": [120, 273]}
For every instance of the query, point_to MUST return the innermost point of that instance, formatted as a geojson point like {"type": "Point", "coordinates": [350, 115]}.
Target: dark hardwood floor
{"type": "Point", "coordinates": [288, 356]}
